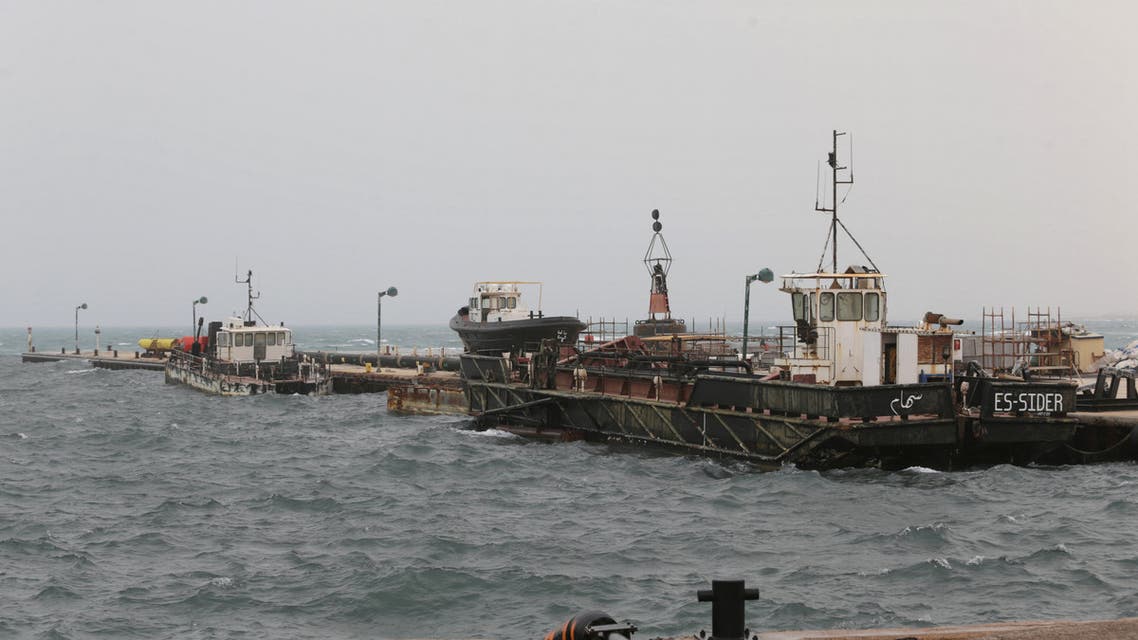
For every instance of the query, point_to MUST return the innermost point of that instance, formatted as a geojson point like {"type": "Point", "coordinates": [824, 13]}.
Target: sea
{"type": "Point", "coordinates": [133, 509]}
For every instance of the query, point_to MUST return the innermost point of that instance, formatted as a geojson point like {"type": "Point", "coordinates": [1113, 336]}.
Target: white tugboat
{"type": "Point", "coordinates": [244, 357]}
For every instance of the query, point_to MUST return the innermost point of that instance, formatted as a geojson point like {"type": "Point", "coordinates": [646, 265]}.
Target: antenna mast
{"type": "Point", "coordinates": [832, 160]}
{"type": "Point", "coordinates": [249, 311]}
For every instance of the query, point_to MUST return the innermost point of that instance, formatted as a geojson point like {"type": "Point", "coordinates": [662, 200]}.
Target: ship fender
{"type": "Point", "coordinates": [591, 625]}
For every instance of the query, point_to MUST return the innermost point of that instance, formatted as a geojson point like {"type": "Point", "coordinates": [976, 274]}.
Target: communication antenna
{"type": "Point", "coordinates": [837, 171]}
{"type": "Point", "coordinates": [250, 312]}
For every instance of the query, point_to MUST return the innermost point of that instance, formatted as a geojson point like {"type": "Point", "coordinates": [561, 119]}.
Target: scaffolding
{"type": "Point", "coordinates": [603, 330]}
{"type": "Point", "coordinates": [1037, 344]}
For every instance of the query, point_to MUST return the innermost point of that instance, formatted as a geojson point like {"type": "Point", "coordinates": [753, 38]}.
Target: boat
{"type": "Point", "coordinates": [243, 356]}
{"type": "Point", "coordinates": [495, 322]}
{"type": "Point", "coordinates": [845, 389]}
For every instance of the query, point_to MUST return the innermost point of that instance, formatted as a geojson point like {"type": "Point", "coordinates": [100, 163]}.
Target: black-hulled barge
{"type": "Point", "coordinates": [847, 389]}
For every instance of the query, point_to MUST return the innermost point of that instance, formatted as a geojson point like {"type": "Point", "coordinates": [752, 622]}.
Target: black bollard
{"type": "Point", "coordinates": [727, 598]}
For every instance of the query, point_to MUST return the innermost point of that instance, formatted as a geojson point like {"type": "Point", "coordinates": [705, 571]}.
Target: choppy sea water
{"type": "Point", "coordinates": [132, 509]}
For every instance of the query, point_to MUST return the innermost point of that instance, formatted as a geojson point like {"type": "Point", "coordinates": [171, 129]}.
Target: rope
{"type": "Point", "coordinates": [1112, 447]}
{"type": "Point", "coordinates": [859, 246]}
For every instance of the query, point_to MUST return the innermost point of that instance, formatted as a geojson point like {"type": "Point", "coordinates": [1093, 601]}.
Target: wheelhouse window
{"type": "Point", "coordinates": [826, 307]}
{"type": "Point", "coordinates": [474, 303]}
{"type": "Point", "coordinates": [273, 339]}
{"type": "Point", "coordinates": [259, 339]}
{"type": "Point", "coordinates": [872, 307]}
{"type": "Point", "coordinates": [512, 302]}
{"type": "Point", "coordinates": [849, 305]}
{"type": "Point", "coordinates": [223, 339]}
{"type": "Point", "coordinates": [798, 303]}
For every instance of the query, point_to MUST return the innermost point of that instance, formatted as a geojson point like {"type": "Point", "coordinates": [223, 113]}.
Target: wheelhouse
{"type": "Point", "coordinates": [501, 301]}
{"type": "Point", "coordinates": [832, 312]}
{"type": "Point", "coordinates": [241, 341]}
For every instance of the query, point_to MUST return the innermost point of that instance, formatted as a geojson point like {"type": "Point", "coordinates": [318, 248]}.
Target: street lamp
{"type": "Point", "coordinates": [201, 300]}
{"type": "Point", "coordinates": [82, 306]}
{"type": "Point", "coordinates": [391, 291]}
{"type": "Point", "coordinates": [764, 275]}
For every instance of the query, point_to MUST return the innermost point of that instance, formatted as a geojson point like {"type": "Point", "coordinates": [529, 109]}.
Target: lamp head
{"type": "Point", "coordinates": [201, 300]}
{"type": "Point", "coordinates": [766, 275]}
{"type": "Point", "coordinates": [391, 291]}
{"type": "Point", "coordinates": [82, 306]}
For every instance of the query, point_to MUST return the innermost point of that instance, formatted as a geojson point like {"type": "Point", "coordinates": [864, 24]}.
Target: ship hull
{"type": "Point", "coordinates": [190, 371]}
{"type": "Point", "coordinates": [515, 336]}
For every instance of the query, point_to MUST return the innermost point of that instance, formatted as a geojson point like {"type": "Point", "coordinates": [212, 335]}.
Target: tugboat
{"type": "Point", "coordinates": [241, 357]}
{"type": "Point", "coordinates": [495, 322]}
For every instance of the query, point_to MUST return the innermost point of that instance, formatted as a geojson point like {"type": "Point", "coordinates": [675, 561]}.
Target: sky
{"type": "Point", "coordinates": [339, 148]}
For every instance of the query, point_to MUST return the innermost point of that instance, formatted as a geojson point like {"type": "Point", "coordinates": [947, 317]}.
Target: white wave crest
{"type": "Point", "coordinates": [920, 470]}
{"type": "Point", "coordinates": [489, 433]}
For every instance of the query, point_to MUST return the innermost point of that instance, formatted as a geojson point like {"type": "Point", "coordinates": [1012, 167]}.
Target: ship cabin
{"type": "Point", "coordinates": [501, 301]}
{"type": "Point", "coordinates": [241, 341]}
{"type": "Point", "coordinates": [832, 313]}
{"type": "Point", "coordinates": [843, 339]}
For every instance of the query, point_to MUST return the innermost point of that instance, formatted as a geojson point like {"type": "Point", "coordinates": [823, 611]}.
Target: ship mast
{"type": "Point", "coordinates": [832, 160]}
{"type": "Point", "coordinates": [250, 312]}
{"type": "Point", "coordinates": [658, 260]}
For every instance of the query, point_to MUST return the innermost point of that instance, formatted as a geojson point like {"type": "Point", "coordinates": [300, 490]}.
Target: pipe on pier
{"type": "Point", "coordinates": [402, 361]}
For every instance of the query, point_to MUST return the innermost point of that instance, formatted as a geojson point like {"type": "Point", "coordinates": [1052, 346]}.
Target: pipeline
{"type": "Point", "coordinates": [402, 361]}
{"type": "Point", "coordinates": [672, 360]}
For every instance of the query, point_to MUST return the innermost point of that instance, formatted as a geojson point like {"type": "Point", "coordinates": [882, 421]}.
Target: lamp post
{"type": "Point", "coordinates": [390, 291]}
{"type": "Point", "coordinates": [82, 306]}
{"type": "Point", "coordinates": [764, 275]}
{"type": "Point", "coordinates": [201, 300]}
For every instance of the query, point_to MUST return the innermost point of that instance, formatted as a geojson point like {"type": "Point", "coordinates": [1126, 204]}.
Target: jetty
{"type": "Point", "coordinates": [1123, 629]}
{"type": "Point", "coordinates": [111, 359]}
{"type": "Point", "coordinates": [728, 622]}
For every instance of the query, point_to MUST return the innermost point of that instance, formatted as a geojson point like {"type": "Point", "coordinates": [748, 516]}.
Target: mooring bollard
{"type": "Point", "coordinates": [116, 352]}
{"type": "Point", "coordinates": [727, 598]}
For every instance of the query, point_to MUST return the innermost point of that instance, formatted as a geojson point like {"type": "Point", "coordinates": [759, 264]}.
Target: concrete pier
{"type": "Point", "coordinates": [111, 359]}
{"type": "Point", "coordinates": [1125, 628]}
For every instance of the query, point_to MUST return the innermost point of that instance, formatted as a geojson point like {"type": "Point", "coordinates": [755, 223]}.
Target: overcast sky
{"type": "Point", "coordinates": [338, 148]}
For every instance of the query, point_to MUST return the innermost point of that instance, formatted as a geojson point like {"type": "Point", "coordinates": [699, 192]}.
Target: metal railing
{"type": "Point", "coordinates": [790, 345]}
{"type": "Point", "coordinates": [294, 368]}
